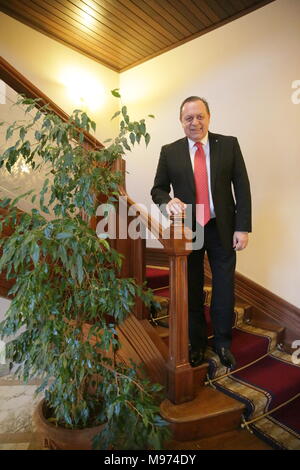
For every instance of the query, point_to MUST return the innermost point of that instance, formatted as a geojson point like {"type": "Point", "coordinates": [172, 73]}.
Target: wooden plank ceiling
{"type": "Point", "coordinates": [123, 33]}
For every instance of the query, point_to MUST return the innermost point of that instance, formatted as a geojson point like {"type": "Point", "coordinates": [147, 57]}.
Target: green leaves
{"type": "Point", "coordinates": [116, 93]}
{"type": "Point", "coordinates": [63, 235]}
{"type": "Point", "coordinates": [66, 279]}
{"type": "Point", "coordinates": [132, 138]}
{"type": "Point", "coordinates": [79, 265]}
{"type": "Point", "coordinates": [10, 131]}
{"type": "Point", "coordinates": [22, 133]}
{"type": "Point", "coordinates": [125, 115]}
{"type": "Point", "coordinates": [130, 404]}
{"type": "Point", "coordinates": [147, 139]}
{"type": "Point", "coordinates": [35, 254]}
{"type": "Point", "coordinates": [117, 113]}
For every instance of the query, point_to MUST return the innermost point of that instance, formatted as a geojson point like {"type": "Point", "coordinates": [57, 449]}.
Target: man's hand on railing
{"type": "Point", "coordinates": [175, 206]}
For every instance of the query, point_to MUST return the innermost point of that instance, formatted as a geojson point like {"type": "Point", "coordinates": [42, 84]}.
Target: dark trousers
{"type": "Point", "coordinates": [222, 263]}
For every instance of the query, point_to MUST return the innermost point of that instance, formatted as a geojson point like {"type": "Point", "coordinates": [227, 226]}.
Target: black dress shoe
{"type": "Point", "coordinates": [226, 357]}
{"type": "Point", "coordinates": [196, 357]}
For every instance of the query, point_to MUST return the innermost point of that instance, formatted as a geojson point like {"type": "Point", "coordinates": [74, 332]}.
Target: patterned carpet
{"type": "Point", "coordinates": [265, 379]}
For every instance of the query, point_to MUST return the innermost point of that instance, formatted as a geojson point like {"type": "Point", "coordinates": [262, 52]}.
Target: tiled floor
{"type": "Point", "coordinates": [15, 441]}
{"type": "Point", "coordinates": [17, 402]}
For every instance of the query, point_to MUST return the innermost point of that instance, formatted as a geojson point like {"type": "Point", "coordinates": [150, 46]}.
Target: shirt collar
{"type": "Point", "coordinates": [203, 141]}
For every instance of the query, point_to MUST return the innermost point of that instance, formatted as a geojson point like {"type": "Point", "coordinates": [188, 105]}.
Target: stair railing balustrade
{"type": "Point", "coordinates": [180, 374]}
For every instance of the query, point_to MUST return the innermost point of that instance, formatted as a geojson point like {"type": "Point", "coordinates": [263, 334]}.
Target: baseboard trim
{"type": "Point", "coordinates": [266, 306]}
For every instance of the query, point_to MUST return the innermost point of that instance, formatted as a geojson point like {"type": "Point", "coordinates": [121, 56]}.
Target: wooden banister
{"type": "Point", "coordinates": [180, 374]}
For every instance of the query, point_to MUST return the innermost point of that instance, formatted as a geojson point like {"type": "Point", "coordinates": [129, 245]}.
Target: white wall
{"type": "Point", "coordinates": [4, 305]}
{"type": "Point", "coordinates": [49, 65]}
{"type": "Point", "coordinates": [245, 69]}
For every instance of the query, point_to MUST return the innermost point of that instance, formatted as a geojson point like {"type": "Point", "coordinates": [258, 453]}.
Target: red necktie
{"type": "Point", "coordinates": [201, 185]}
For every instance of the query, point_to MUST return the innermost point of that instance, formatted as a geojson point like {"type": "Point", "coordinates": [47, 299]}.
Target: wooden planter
{"type": "Point", "coordinates": [58, 438]}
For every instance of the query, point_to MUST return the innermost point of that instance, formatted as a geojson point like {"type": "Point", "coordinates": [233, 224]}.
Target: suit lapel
{"type": "Point", "coordinates": [214, 149]}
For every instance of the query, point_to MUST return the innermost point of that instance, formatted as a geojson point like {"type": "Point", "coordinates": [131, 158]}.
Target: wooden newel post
{"type": "Point", "coordinates": [180, 373]}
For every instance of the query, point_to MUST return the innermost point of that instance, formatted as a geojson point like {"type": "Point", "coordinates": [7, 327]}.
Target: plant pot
{"type": "Point", "coordinates": [58, 438]}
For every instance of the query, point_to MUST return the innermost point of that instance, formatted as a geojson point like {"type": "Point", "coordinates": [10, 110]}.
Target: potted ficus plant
{"type": "Point", "coordinates": [68, 297]}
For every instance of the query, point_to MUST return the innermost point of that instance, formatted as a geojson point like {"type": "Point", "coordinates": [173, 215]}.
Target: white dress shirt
{"type": "Point", "coordinates": [193, 148]}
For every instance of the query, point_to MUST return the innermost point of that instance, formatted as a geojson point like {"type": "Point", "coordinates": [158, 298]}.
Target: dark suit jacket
{"type": "Point", "coordinates": [228, 173]}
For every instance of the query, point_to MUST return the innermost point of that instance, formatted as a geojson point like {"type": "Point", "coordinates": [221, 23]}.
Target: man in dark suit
{"type": "Point", "coordinates": [207, 171]}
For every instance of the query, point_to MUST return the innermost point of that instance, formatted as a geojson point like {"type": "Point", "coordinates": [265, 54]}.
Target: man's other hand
{"type": "Point", "coordinates": [240, 240]}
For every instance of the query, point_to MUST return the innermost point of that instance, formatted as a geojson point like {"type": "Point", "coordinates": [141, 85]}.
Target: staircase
{"type": "Point", "coordinates": [202, 403]}
{"type": "Point", "coordinates": [261, 394]}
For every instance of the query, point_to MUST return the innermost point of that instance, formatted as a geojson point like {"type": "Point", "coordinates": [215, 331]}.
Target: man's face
{"type": "Point", "coordinates": [195, 120]}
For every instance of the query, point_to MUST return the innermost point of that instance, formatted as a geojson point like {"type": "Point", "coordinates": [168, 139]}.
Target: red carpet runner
{"type": "Point", "coordinates": [265, 379]}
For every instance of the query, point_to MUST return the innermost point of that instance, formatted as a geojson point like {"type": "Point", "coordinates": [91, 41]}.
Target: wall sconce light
{"type": "Point", "coordinates": [83, 89]}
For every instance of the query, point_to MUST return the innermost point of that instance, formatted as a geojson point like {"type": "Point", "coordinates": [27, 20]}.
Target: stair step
{"type": "Point", "coordinates": [265, 325]}
{"type": "Point", "coordinates": [162, 331]}
{"type": "Point", "coordinates": [211, 412]}
{"type": "Point", "coordinates": [249, 344]}
{"type": "Point", "coordinates": [279, 380]}
{"type": "Point", "coordinates": [157, 277]}
{"type": "Point", "coordinates": [238, 439]}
